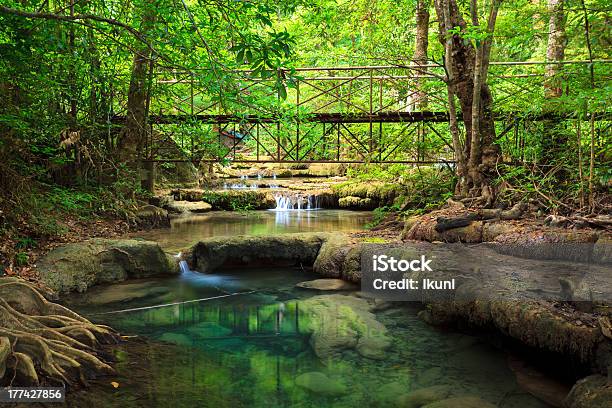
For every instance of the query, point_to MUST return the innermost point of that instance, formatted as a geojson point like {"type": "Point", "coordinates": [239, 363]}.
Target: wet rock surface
{"type": "Point", "coordinates": [78, 266]}
{"type": "Point", "coordinates": [319, 383]}
{"type": "Point", "coordinates": [253, 251]}
{"type": "Point", "coordinates": [150, 216]}
{"type": "Point", "coordinates": [340, 323]}
{"type": "Point", "coordinates": [594, 391]}
{"type": "Point", "coordinates": [183, 207]}
{"type": "Point", "coordinates": [327, 284]}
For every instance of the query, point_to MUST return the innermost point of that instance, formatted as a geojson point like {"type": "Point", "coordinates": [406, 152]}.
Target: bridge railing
{"type": "Point", "coordinates": [339, 114]}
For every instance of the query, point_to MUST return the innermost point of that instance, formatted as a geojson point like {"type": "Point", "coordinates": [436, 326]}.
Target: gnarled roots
{"type": "Point", "coordinates": [45, 343]}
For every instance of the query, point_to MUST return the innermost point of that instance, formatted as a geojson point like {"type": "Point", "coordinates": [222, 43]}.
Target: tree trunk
{"type": "Point", "coordinates": [133, 134]}
{"type": "Point", "coordinates": [554, 140]}
{"type": "Point", "coordinates": [555, 49]}
{"type": "Point", "coordinates": [467, 68]}
{"type": "Point", "coordinates": [420, 51]}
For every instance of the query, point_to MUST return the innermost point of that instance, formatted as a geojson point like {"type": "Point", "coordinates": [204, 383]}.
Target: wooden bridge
{"type": "Point", "coordinates": [364, 114]}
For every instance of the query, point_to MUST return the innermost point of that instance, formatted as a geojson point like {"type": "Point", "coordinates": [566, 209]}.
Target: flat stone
{"type": "Point", "coordinates": [78, 266]}
{"type": "Point", "coordinates": [318, 383]}
{"type": "Point", "coordinates": [424, 396]}
{"type": "Point", "coordinates": [326, 284]}
{"type": "Point", "coordinates": [460, 402]}
{"type": "Point", "coordinates": [190, 206]}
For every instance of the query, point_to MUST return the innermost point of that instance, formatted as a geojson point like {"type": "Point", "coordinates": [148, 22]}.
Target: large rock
{"type": "Point", "coordinates": [594, 391]}
{"type": "Point", "coordinates": [150, 216]}
{"type": "Point", "coordinates": [78, 266]}
{"type": "Point", "coordinates": [318, 383]}
{"type": "Point", "coordinates": [460, 402]}
{"type": "Point", "coordinates": [424, 396]}
{"type": "Point", "coordinates": [538, 384]}
{"type": "Point", "coordinates": [357, 203]}
{"type": "Point", "coordinates": [234, 200]}
{"type": "Point", "coordinates": [182, 207]}
{"type": "Point", "coordinates": [331, 257]}
{"type": "Point", "coordinates": [339, 323]}
{"type": "Point", "coordinates": [327, 284]}
{"type": "Point", "coordinates": [254, 251]}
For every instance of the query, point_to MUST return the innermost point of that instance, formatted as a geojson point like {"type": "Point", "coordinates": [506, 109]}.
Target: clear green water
{"type": "Point", "coordinates": [186, 231]}
{"type": "Point", "coordinates": [249, 350]}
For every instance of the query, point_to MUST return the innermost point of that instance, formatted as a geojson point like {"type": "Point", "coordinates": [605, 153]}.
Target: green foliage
{"type": "Point", "coordinates": [242, 201]}
{"type": "Point", "coordinates": [21, 258]}
{"type": "Point", "coordinates": [379, 214]}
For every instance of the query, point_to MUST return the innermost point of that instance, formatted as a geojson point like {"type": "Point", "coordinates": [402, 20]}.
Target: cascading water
{"type": "Point", "coordinates": [184, 267]}
{"type": "Point", "coordinates": [295, 201]}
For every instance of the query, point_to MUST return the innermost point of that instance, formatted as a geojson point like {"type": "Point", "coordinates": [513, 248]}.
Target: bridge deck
{"type": "Point", "coordinates": [381, 117]}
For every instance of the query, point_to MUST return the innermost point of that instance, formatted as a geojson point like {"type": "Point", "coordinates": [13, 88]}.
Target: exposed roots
{"type": "Point", "coordinates": [45, 343]}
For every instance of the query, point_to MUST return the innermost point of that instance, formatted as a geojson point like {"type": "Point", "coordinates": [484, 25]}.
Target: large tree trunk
{"type": "Point", "coordinates": [420, 51]}
{"type": "Point", "coordinates": [467, 69]}
{"type": "Point", "coordinates": [133, 135]}
{"type": "Point", "coordinates": [555, 49]}
{"type": "Point", "coordinates": [554, 140]}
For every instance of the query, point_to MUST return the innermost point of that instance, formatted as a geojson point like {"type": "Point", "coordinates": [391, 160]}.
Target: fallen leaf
{"type": "Point", "coordinates": [115, 384]}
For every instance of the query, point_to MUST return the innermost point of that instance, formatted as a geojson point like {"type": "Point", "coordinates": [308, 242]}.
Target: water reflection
{"type": "Point", "coordinates": [249, 351]}
{"type": "Point", "coordinates": [187, 231]}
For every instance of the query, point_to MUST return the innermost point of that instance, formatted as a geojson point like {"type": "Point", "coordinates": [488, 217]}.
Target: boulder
{"type": "Point", "coordinates": [234, 200]}
{"type": "Point", "coordinates": [337, 323]}
{"type": "Point", "coordinates": [327, 284]}
{"type": "Point", "coordinates": [594, 391]}
{"type": "Point", "coordinates": [460, 402]}
{"type": "Point", "coordinates": [150, 216]}
{"type": "Point", "coordinates": [331, 256]}
{"type": "Point", "coordinates": [357, 203]}
{"type": "Point", "coordinates": [538, 384]}
{"type": "Point", "coordinates": [78, 266]}
{"type": "Point", "coordinates": [424, 396]}
{"type": "Point", "coordinates": [255, 251]}
{"type": "Point", "coordinates": [318, 383]}
{"type": "Point", "coordinates": [182, 207]}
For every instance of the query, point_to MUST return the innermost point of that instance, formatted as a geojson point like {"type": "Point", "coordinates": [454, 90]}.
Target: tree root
{"type": "Point", "coordinates": [43, 342]}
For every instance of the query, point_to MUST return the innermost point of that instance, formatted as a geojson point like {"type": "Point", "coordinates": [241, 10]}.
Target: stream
{"type": "Point", "coordinates": [254, 349]}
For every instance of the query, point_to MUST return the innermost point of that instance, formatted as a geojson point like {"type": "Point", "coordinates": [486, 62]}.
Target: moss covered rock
{"type": "Point", "coordinates": [319, 383]}
{"type": "Point", "coordinates": [234, 200]}
{"type": "Point", "coordinates": [78, 266]}
{"type": "Point", "coordinates": [594, 391]}
{"type": "Point", "coordinates": [357, 203]}
{"type": "Point", "coordinates": [253, 251]}
{"type": "Point", "coordinates": [150, 216]}
{"type": "Point", "coordinates": [337, 323]}
{"type": "Point", "coordinates": [424, 396]}
{"type": "Point", "coordinates": [460, 402]}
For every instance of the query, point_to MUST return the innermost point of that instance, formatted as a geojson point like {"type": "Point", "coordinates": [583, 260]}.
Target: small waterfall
{"type": "Point", "coordinates": [184, 267]}
{"type": "Point", "coordinates": [296, 201]}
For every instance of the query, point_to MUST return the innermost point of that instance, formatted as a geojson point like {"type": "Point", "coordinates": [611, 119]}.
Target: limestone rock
{"type": "Point", "coordinates": [356, 203]}
{"type": "Point", "coordinates": [182, 207]}
{"type": "Point", "coordinates": [460, 402]}
{"type": "Point", "coordinates": [177, 338]}
{"type": "Point", "coordinates": [78, 266]}
{"type": "Point", "coordinates": [326, 284]}
{"type": "Point", "coordinates": [424, 396]}
{"type": "Point", "coordinates": [150, 216]}
{"type": "Point", "coordinates": [253, 251]}
{"type": "Point", "coordinates": [331, 256]}
{"type": "Point", "coordinates": [318, 383]}
{"type": "Point", "coordinates": [537, 384]}
{"type": "Point", "coordinates": [339, 323]}
{"type": "Point", "coordinates": [594, 391]}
